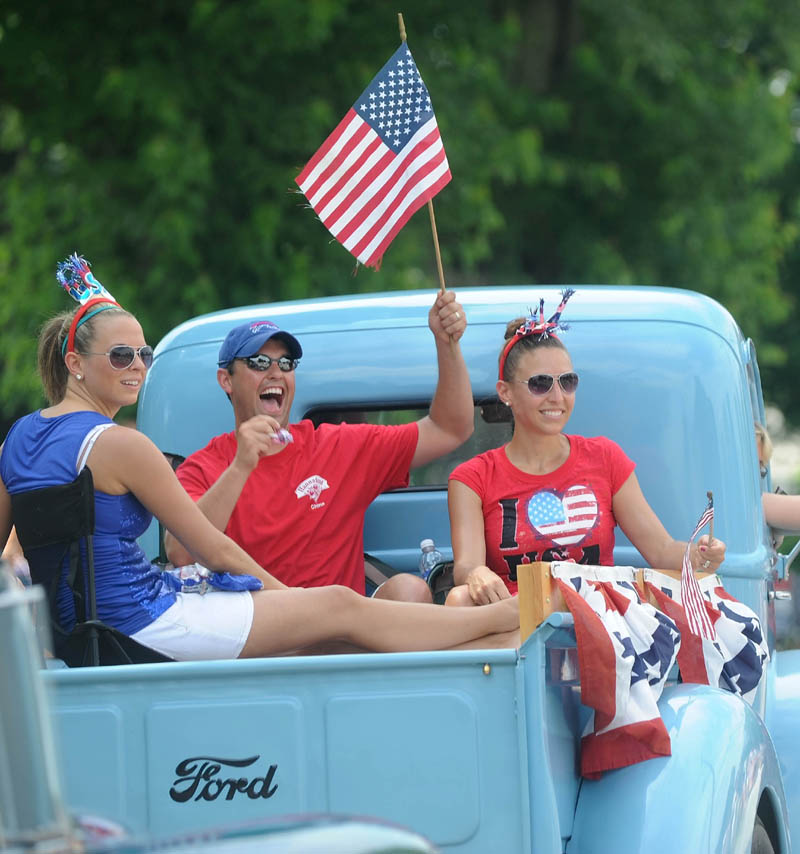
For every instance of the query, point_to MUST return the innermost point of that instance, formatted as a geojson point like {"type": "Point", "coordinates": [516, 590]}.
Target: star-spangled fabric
{"type": "Point", "coordinates": [384, 160]}
{"type": "Point", "coordinates": [735, 659]}
{"type": "Point", "coordinates": [626, 649]}
{"type": "Point", "coordinates": [196, 578]}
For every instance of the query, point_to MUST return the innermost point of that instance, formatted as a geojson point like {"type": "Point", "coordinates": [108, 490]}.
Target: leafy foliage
{"type": "Point", "coordinates": [590, 141]}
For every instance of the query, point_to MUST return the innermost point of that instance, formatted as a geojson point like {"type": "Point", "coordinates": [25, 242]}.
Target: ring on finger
{"type": "Point", "coordinates": [457, 315]}
{"type": "Point", "coordinates": [706, 564]}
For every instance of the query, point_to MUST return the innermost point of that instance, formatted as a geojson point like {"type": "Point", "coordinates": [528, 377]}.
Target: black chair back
{"type": "Point", "coordinates": [54, 524]}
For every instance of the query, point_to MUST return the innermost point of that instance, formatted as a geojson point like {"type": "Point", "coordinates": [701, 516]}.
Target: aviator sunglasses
{"type": "Point", "coordinates": [262, 362]}
{"type": "Point", "coordinates": [540, 384]}
{"type": "Point", "coordinates": [123, 356]}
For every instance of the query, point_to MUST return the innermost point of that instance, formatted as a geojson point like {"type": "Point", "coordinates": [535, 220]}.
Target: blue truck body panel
{"type": "Point", "coordinates": [474, 761]}
{"type": "Point", "coordinates": [33, 814]}
{"type": "Point", "coordinates": [476, 750]}
{"type": "Point", "coordinates": [721, 766]}
{"type": "Point", "coordinates": [344, 734]}
{"type": "Point", "coordinates": [782, 717]}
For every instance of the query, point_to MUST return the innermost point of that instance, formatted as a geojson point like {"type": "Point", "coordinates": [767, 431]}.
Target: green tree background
{"type": "Point", "coordinates": [615, 141]}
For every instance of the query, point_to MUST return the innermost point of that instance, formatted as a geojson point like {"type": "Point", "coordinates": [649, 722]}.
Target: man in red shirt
{"type": "Point", "coordinates": [297, 506]}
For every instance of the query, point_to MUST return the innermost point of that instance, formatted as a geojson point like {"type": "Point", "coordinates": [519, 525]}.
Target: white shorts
{"type": "Point", "coordinates": [201, 626]}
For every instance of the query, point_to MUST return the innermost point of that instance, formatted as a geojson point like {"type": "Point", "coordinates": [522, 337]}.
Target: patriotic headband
{"type": "Point", "coordinates": [538, 326]}
{"type": "Point", "coordinates": [75, 276]}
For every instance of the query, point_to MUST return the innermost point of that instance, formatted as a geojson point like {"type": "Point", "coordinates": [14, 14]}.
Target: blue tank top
{"type": "Point", "coordinates": [40, 452]}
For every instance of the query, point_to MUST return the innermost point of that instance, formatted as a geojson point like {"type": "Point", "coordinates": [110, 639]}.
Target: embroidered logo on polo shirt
{"type": "Point", "coordinates": [312, 487]}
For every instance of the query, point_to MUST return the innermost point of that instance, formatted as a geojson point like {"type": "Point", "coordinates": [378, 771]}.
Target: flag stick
{"type": "Point", "coordinates": [401, 25]}
{"type": "Point", "coordinates": [710, 496]}
{"type": "Point", "coordinates": [436, 246]}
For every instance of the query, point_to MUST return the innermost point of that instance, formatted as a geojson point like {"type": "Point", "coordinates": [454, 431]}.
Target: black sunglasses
{"type": "Point", "coordinates": [122, 356]}
{"type": "Point", "coordinates": [262, 362]}
{"type": "Point", "coordinates": [540, 384]}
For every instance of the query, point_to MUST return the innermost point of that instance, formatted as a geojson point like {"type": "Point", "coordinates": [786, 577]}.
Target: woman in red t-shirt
{"type": "Point", "coordinates": [548, 495]}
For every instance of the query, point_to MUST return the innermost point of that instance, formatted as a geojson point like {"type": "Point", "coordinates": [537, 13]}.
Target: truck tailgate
{"type": "Point", "coordinates": [432, 741]}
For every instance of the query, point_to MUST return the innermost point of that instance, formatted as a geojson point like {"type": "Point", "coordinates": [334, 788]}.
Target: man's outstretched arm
{"type": "Point", "coordinates": [449, 423]}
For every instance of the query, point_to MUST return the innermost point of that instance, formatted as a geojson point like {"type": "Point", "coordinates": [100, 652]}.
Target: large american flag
{"type": "Point", "coordinates": [384, 160]}
{"type": "Point", "coordinates": [691, 597]}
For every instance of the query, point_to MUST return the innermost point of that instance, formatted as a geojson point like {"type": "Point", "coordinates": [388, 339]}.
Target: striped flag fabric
{"type": "Point", "coordinates": [691, 597]}
{"type": "Point", "coordinates": [734, 660]}
{"type": "Point", "coordinates": [626, 649]}
{"type": "Point", "coordinates": [383, 161]}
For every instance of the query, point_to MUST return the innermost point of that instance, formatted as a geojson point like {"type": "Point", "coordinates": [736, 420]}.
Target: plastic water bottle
{"type": "Point", "coordinates": [429, 558]}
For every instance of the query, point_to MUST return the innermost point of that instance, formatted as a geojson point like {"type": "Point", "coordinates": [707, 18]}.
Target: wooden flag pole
{"type": "Point", "coordinates": [436, 246]}
{"type": "Point", "coordinates": [439, 267]}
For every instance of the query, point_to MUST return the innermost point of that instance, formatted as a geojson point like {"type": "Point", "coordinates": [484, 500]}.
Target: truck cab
{"type": "Point", "coordinates": [476, 750]}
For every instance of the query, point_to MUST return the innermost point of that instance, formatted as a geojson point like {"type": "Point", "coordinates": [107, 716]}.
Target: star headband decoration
{"type": "Point", "coordinates": [75, 275]}
{"type": "Point", "coordinates": [537, 325]}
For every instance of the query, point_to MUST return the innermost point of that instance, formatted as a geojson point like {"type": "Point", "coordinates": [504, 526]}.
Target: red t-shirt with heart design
{"type": "Point", "coordinates": [564, 515]}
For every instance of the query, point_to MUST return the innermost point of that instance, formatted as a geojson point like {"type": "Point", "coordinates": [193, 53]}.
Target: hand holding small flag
{"type": "Point", "coordinates": [446, 318]}
{"type": "Point", "coordinates": [692, 598]}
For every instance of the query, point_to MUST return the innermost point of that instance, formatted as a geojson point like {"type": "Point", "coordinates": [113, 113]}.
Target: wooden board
{"type": "Point", "coordinates": [539, 595]}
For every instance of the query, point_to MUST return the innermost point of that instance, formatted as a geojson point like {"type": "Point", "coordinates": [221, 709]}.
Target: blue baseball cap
{"type": "Point", "coordinates": [247, 339]}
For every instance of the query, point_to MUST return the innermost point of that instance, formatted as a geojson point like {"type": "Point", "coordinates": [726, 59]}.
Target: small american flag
{"type": "Point", "coordinates": [691, 597]}
{"type": "Point", "coordinates": [384, 160]}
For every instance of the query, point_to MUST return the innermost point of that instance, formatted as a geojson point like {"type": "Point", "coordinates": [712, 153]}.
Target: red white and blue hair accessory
{"type": "Point", "coordinates": [75, 276]}
{"type": "Point", "coordinates": [538, 326]}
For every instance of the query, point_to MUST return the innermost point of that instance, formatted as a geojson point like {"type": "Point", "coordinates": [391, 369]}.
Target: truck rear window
{"type": "Point", "coordinates": [492, 428]}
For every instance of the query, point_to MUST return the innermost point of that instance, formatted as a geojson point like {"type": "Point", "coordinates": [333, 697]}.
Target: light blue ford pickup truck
{"type": "Point", "coordinates": [475, 750]}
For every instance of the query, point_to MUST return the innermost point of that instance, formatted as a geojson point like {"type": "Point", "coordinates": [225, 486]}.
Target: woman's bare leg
{"type": "Point", "coordinates": [499, 640]}
{"type": "Point", "coordinates": [293, 619]}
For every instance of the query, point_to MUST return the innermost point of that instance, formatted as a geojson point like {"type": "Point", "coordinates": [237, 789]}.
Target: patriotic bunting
{"type": "Point", "coordinates": [626, 649]}
{"type": "Point", "coordinates": [734, 660]}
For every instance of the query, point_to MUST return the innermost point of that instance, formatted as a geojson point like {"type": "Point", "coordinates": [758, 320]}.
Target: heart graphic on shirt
{"type": "Point", "coordinates": [565, 518]}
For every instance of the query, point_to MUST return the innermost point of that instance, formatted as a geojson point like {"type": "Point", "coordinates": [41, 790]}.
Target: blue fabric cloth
{"type": "Point", "coordinates": [131, 592]}
{"type": "Point", "coordinates": [195, 578]}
